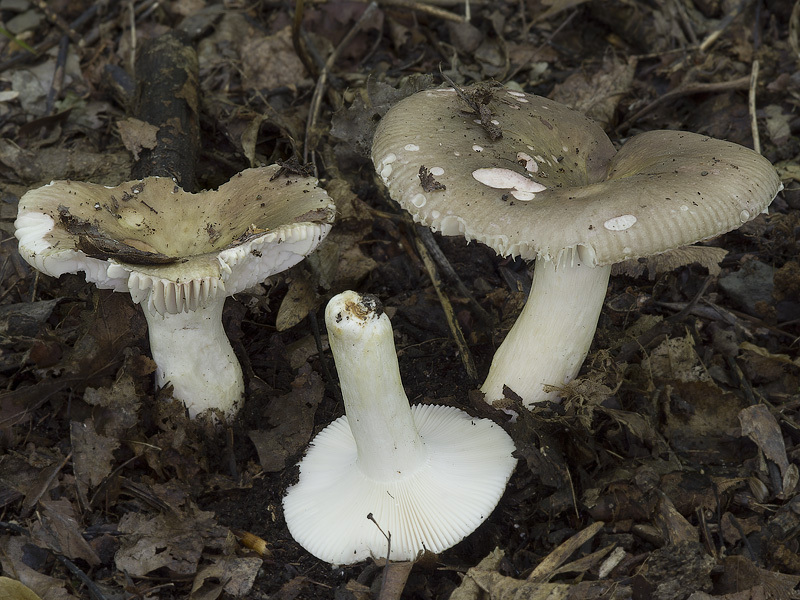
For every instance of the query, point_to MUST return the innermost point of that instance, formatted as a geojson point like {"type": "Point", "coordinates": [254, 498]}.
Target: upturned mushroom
{"type": "Point", "coordinates": [532, 178]}
{"type": "Point", "coordinates": [179, 255]}
{"type": "Point", "coordinates": [427, 474]}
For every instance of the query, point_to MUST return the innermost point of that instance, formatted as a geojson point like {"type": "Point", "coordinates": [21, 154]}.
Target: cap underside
{"type": "Point", "coordinates": [434, 508]}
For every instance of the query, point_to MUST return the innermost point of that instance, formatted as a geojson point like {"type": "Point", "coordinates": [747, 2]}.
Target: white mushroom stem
{"type": "Point", "coordinates": [194, 355]}
{"type": "Point", "coordinates": [552, 335]}
{"type": "Point", "coordinates": [361, 340]}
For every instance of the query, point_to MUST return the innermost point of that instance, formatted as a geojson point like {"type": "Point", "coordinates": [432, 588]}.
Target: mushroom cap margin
{"type": "Point", "coordinates": [274, 219]}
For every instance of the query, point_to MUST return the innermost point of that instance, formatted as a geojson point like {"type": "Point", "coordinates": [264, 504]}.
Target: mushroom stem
{"type": "Point", "coordinates": [555, 329]}
{"type": "Point", "coordinates": [360, 335]}
{"type": "Point", "coordinates": [193, 353]}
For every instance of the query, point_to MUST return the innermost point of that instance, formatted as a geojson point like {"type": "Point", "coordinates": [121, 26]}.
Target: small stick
{"type": "Point", "coordinates": [452, 322]}
{"type": "Point", "coordinates": [58, 75]}
{"type": "Point", "coordinates": [723, 25]}
{"type": "Point", "coordinates": [439, 13]}
{"type": "Point", "coordinates": [316, 100]}
{"type": "Point", "coordinates": [450, 274]}
{"type": "Point", "coordinates": [388, 549]}
{"type": "Point", "coordinates": [59, 22]}
{"type": "Point", "coordinates": [742, 83]}
{"type": "Point", "coordinates": [751, 107]}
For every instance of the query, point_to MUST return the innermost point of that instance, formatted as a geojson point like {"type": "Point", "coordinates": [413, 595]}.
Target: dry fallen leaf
{"type": "Point", "coordinates": [14, 590]}
{"type": "Point", "coordinates": [290, 421]}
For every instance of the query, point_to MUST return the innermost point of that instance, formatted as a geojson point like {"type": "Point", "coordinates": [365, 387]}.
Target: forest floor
{"type": "Point", "coordinates": [670, 468]}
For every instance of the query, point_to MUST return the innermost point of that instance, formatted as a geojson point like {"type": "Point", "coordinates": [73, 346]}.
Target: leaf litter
{"type": "Point", "coordinates": [669, 470]}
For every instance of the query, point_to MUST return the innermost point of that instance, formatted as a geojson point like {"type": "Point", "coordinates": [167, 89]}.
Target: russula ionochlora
{"type": "Point", "coordinates": [532, 178]}
{"type": "Point", "coordinates": [179, 255]}
{"type": "Point", "coordinates": [427, 474]}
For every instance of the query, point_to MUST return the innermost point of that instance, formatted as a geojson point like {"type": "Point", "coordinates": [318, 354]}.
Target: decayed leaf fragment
{"type": "Point", "coordinates": [760, 425]}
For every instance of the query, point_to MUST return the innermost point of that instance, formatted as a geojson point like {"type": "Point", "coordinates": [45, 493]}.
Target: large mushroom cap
{"type": "Point", "coordinates": [150, 235]}
{"type": "Point", "coordinates": [551, 183]}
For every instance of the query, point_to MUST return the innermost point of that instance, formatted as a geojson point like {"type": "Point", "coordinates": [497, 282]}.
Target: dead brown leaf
{"type": "Point", "coordinates": [291, 421]}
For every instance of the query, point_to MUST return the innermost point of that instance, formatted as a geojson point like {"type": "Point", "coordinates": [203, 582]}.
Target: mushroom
{"type": "Point", "coordinates": [427, 474]}
{"type": "Point", "coordinates": [532, 178]}
{"type": "Point", "coordinates": [179, 255]}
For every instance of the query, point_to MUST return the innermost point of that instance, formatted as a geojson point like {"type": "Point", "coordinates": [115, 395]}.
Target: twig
{"type": "Point", "coordinates": [53, 40]}
{"type": "Point", "coordinates": [326, 371]}
{"type": "Point", "coordinates": [319, 88]}
{"type": "Point", "coordinates": [299, 48]}
{"type": "Point", "coordinates": [450, 274]}
{"type": "Point", "coordinates": [59, 22]}
{"type": "Point", "coordinates": [452, 322]}
{"type": "Point", "coordinates": [742, 83]}
{"type": "Point", "coordinates": [434, 11]}
{"type": "Point", "coordinates": [58, 75]}
{"type": "Point", "coordinates": [751, 107]}
{"type": "Point", "coordinates": [745, 541]}
{"type": "Point", "coordinates": [687, 24]}
{"type": "Point", "coordinates": [723, 25]}
{"type": "Point", "coordinates": [388, 537]}
{"type": "Point", "coordinates": [94, 591]}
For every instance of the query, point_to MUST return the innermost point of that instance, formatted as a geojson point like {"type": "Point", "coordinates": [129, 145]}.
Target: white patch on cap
{"type": "Point", "coordinates": [539, 157]}
{"type": "Point", "coordinates": [525, 196]}
{"type": "Point", "coordinates": [495, 122]}
{"type": "Point", "coordinates": [527, 161]}
{"type": "Point", "coordinates": [515, 93]}
{"type": "Point", "coordinates": [506, 179]}
{"type": "Point", "coordinates": [477, 148]}
{"type": "Point", "coordinates": [684, 208]}
{"type": "Point", "coordinates": [452, 225]}
{"type": "Point", "coordinates": [620, 223]}
{"type": "Point", "coordinates": [411, 147]}
{"type": "Point", "coordinates": [478, 121]}
{"type": "Point", "coordinates": [437, 171]}
{"type": "Point", "coordinates": [435, 214]}
{"type": "Point", "coordinates": [386, 169]}
{"type": "Point", "coordinates": [419, 200]}
{"type": "Point", "coordinates": [565, 149]}
{"type": "Point", "coordinates": [744, 216]}
{"type": "Point", "coordinates": [456, 153]}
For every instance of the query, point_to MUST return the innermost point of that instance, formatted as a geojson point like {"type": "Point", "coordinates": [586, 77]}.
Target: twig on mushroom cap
{"type": "Point", "coordinates": [428, 474]}
{"type": "Point", "coordinates": [207, 246]}
{"type": "Point", "coordinates": [554, 190]}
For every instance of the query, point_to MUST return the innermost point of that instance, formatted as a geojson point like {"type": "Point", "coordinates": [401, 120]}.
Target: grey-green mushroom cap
{"type": "Point", "coordinates": [551, 186]}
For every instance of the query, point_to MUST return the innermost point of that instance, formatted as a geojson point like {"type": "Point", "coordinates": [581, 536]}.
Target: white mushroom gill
{"type": "Point", "coordinates": [428, 474]}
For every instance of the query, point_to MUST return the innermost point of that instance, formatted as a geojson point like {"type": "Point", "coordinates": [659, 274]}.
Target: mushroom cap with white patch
{"type": "Point", "coordinates": [553, 187]}
{"type": "Point", "coordinates": [174, 250]}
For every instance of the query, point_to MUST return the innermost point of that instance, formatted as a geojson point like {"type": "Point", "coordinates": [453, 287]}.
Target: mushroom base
{"type": "Point", "coordinates": [193, 354]}
{"type": "Point", "coordinates": [552, 335]}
